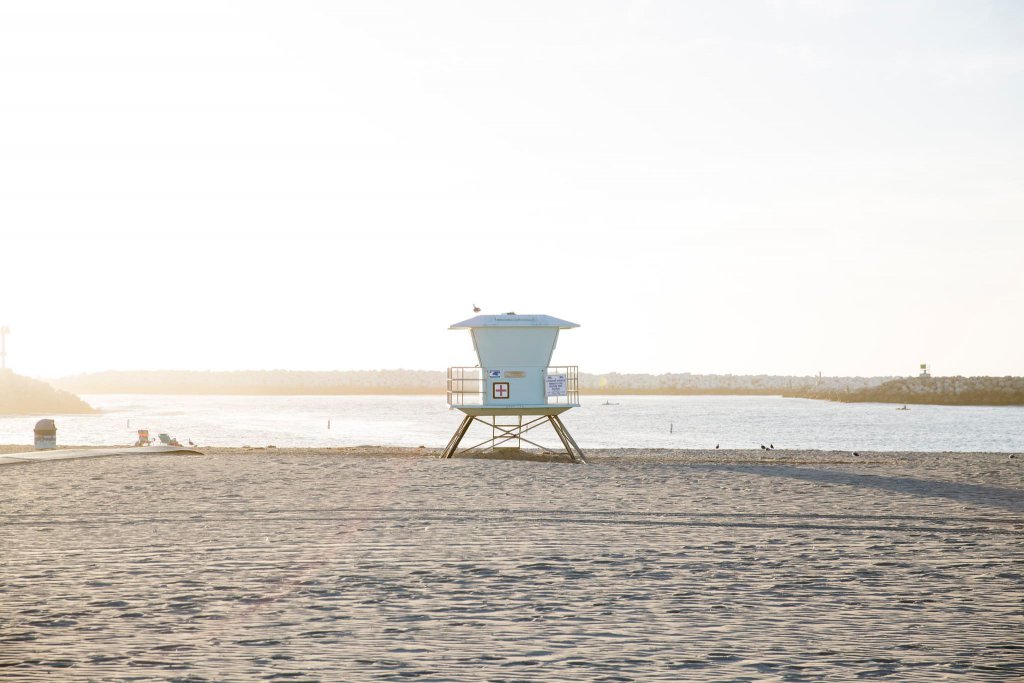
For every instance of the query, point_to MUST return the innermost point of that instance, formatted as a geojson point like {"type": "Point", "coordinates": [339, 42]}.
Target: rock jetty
{"type": "Point", "coordinates": [24, 396]}
{"type": "Point", "coordinates": [950, 391]}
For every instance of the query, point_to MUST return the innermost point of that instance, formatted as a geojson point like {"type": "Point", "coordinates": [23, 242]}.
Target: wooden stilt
{"type": "Point", "coordinates": [503, 433]}
{"type": "Point", "coordinates": [453, 443]}
{"type": "Point", "coordinates": [571, 447]}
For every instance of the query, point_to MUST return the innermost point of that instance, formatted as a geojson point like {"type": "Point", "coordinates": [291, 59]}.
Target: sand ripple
{"type": "Point", "coordinates": [275, 567]}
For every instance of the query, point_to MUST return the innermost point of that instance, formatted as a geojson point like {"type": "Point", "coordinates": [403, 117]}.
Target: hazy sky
{"type": "Point", "coordinates": [778, 187]}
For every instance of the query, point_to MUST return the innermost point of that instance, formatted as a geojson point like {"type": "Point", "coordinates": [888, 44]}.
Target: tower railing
{"type": "Point", "coordinates": [572, 384]}
{"type": "Point", "coordinates": [466, 385]}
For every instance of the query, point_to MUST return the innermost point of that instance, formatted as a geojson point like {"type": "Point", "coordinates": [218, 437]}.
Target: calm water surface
{"type": "Point", "coordinates": [634, 422]}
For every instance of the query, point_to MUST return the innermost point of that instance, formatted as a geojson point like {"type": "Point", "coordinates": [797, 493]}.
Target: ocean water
{"type": "Point", "coordinates": [631, 422]}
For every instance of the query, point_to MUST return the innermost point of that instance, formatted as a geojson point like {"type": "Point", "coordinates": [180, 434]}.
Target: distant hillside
{"type": "Point", "coordinates": [951, 391]}
{"type": "Point", "coordinates": [938, 390]}
{"type": "Point", "coordinates": [433, 382]}
{"type": "Point", "coordinates": [23, 396]}
{"type": "Point", "coordinates": [257, 382]}
{"type": "Point", "coordinates": [685, 383]}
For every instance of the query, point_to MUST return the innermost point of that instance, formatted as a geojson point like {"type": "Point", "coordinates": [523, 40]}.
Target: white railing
{"type": "Point", "coordinates": [466, 385]}
{"type": "Point", "coordinates": [572, 384]}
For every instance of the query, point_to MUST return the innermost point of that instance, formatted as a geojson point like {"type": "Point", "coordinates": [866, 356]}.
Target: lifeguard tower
{"type": "Point", "coordinates": [514, 389]}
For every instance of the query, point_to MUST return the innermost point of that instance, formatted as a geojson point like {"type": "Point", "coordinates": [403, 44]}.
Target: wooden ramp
{"type": "Point", "coordinates": [77, 453]}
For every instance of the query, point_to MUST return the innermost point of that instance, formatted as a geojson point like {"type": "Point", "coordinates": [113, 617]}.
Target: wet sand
{"type": "Point", "coordinates": [386, 564]}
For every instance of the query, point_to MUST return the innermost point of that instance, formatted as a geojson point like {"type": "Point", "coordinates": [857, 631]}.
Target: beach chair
{"type": "Point", "coordinates": [166, 440]}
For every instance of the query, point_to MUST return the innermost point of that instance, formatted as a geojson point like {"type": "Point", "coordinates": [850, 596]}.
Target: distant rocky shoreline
{"type": "Point", "coordinates": [950, 391]}
{"type": "Point", "coordinates": [996, 391]}
{"type": "Point", "coordinates": [24, 396]}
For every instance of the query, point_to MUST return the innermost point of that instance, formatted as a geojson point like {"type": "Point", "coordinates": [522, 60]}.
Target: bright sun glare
{"type": "Point", "coordinates": [775, 187]}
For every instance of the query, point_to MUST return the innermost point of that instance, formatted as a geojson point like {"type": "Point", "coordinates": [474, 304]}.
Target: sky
{"type": "Point", "coordinates": [774, 186]}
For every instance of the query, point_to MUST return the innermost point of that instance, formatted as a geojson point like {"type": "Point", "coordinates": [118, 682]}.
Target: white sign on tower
{"type": "Point", "coordinates": [555, 385]}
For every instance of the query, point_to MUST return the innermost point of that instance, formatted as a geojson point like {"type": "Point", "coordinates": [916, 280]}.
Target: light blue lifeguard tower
{"type": "Point", "coordinates": [513, 381]}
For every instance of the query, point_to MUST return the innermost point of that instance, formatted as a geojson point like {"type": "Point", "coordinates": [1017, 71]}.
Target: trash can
{"type": "Point", "coordinates": [46, 435]}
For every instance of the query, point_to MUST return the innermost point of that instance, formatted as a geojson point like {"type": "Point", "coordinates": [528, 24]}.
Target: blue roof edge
{"type": "Point", "coordinates": [513, 320]}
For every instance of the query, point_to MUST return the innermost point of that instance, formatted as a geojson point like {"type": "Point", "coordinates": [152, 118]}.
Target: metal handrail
{"type": "Point", "coordinates": [572, 384]}
{"type": "Point", "coordinates": [465, 385]}
{"type": "Point", "coordinates": [457, 383]}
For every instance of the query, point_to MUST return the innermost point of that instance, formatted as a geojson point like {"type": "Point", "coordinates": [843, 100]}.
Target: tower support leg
{"type": "Point", "coordinates": [571, 447]}
{"type": "Point", "coordinates": [456, 439]}
{"type": "Point", "coordinates": [503, 433]}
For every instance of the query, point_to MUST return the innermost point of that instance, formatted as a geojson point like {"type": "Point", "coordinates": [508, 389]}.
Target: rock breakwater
{"type": "Point", "coordinates": [23, 396]}
{"type": "Point", "coordinates": [953, 391]}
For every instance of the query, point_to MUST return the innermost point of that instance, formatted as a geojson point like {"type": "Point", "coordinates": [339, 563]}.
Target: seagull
{"type": "Point", "coordinates": [190, 442]}
{"type": "Point", "coordinates": [763, 447]}
{"type": "Point", "coordinates": [771, 447]}
{"type": "Point", "coordinates": [476, 309]}
{"type": "Point", "coordinates": [717, 445]}
{"type": "Point", "coordinates": [856, 454]}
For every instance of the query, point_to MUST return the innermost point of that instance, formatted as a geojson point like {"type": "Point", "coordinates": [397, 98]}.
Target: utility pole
{"type": "Point", "coordinates": [4, 331]}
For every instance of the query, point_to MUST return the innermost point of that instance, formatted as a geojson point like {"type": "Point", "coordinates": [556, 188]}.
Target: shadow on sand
{"type": "Point", "coordinates": [976, 494]}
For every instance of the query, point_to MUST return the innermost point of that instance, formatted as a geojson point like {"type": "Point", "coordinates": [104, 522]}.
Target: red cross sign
{"type": "Point", "coordinates": [499, 390]}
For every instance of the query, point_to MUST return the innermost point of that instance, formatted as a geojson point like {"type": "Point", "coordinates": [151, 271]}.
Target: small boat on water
{"type": "Point", "coordinates": [609, 403]}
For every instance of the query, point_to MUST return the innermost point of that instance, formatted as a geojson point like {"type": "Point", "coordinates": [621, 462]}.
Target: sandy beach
{"type": "Point", "coordinates": [375, 563]}
{"type": "Point", "coordinates": [616, 455]}
{"type": "Point", "coordinates": [317, 256]}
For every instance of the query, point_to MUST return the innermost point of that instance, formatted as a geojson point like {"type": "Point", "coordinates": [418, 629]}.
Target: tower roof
{"type": "Point", "coordinates": [513, 320]}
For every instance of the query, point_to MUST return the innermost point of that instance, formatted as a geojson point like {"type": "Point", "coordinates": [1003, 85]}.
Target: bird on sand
{"type": "Point", "coordinates": [763, 447]}
{"type": "Point", "coordinates": [856, 454]}
{"type": "Point", "coordinates": [190, 442]}
{"type": "Point", "coordinates": [476, 309]}
{"type": "Point", "coordinates": [717, 445]}
{"type": "Point", "coordinates": [771, 447]}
